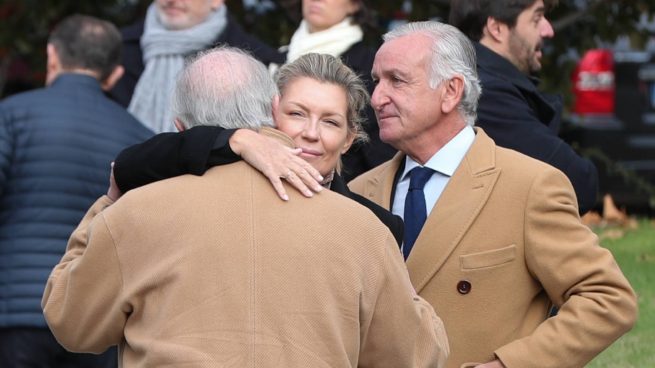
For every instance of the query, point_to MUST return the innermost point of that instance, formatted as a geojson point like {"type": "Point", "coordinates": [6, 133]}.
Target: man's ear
{"type": "Point", "coordinates": [452, 94]}
{"type": "Point", "coordinates": [493, 31]}
{"type": "Point", "coordinates": [179, 125]}
{"type": "Point", "coordinates": [53, 65]}
{"type": "Point", "coordinates": [113, 78]}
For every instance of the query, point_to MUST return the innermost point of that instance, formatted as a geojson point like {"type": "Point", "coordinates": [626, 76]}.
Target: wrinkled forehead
{"type": "Point", "coordinates": [403, 53]}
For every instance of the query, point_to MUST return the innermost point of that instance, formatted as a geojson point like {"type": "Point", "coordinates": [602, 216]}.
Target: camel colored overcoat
{"type": "Point", "coordinates": [217, 271]}
{"type": "Point", "coordinates": [502, 242]}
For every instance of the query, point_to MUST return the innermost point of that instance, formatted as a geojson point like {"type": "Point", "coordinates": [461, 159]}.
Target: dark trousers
{"type": "Point", "coordinates": [36, 347]}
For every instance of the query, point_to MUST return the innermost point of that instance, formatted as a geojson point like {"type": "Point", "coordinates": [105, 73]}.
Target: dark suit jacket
{"type": "Point", "coordinates": [516, 115]}
{"type": "Point", "coordinates": [232, 35]}
{"type": "Point", "coordinates": [195, 150]}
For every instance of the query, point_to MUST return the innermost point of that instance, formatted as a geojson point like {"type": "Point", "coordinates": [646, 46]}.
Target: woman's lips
{"type": "Point", "coordinates": [310, 152]}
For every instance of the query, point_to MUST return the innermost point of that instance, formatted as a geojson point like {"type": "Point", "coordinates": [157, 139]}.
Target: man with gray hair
{"type": "Point", "coordinates": [217, 271]}
{"type": "Point", "coordinates": [156, 46]}
{"type": "Point", "coordinates": [493, 237]}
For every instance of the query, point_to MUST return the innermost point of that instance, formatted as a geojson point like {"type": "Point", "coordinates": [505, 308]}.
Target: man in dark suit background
{"type": "Point", "coordinates": [509, 38]}
{"type": "Point", "coordinates": [56, 145]}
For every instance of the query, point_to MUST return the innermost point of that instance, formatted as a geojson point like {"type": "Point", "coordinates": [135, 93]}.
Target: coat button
{"type": "Point", "coordinates": [464, 287]}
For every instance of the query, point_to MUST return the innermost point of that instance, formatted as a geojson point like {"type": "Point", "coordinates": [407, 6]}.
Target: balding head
{"type": "Point", "coordinates": [224, 87]}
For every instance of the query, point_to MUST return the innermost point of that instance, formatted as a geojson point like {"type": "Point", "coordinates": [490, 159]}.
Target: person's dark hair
{"type": "Point", "coordinates": [363, 16]}
{"type": "Point", "coordinates": [87, 42]}
{"type": "Point", "coordinates": [470, 16]}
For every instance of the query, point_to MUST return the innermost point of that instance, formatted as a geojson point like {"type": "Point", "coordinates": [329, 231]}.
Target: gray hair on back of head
{"type": "Point", "coordinates": [452, 54]}
{"type": "Point", "coordinates": [225, 87]}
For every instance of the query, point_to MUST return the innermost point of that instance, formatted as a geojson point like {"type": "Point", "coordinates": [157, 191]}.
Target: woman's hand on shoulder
{"type": "Point", "coordinates": [277, 162]}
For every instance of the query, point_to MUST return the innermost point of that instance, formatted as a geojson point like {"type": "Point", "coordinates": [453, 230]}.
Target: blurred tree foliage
{"type": "Point", "coordinates": [579, 25]}
{"type": "Point", "coordinates": [24, 28]}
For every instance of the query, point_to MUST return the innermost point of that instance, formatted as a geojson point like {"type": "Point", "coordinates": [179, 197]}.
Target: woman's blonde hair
{"type": "Point", "coordinates": [329, 69]}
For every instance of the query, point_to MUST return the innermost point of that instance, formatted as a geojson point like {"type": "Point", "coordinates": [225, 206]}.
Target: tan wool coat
{"type": "Point", "coordinates": [217, 271]}
{"type": "Point", "coordinates": [501, 243]}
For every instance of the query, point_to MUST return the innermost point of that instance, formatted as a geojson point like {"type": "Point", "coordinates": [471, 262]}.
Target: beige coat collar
{"type": "Point", "coordinates": [462, 200]}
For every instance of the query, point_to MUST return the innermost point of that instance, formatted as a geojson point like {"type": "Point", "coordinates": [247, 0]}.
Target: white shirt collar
{"type": "Point", "coordinates": [448, 158]}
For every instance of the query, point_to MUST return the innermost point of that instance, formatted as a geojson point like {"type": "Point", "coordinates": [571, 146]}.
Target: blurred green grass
{"type": "Point", "coordinates": [634, 250]}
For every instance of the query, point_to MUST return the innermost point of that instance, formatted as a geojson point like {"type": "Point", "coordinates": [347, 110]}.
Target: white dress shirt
{"type": "Point", "coordinates": [444, 163]}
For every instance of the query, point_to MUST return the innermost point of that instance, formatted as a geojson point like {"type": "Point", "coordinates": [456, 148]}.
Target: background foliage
{"type": "Point", "coordinates": [579, 25]}
{"type": "Point", "coordinates": [634, 251]}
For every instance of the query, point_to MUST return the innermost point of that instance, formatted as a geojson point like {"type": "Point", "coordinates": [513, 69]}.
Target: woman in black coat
{"type": "Point", "coordinates": [319, 108]}
{"type": "Point", "coordinates": [337, 28]}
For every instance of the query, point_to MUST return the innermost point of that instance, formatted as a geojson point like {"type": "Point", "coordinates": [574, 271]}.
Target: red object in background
{"type": "Point", "coordinates": [593, 83]}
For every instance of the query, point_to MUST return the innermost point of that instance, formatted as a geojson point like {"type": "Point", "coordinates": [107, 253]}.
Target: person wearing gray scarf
{"type": "Point", "coordinates": [164, 50]}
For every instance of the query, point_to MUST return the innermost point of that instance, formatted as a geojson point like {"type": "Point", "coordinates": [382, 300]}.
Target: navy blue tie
{"type": "Point", "coordinates": [415, 209]}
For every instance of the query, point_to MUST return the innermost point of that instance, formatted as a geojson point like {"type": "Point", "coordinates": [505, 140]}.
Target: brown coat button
{"type": "Point", "coordinates": [464, 287]}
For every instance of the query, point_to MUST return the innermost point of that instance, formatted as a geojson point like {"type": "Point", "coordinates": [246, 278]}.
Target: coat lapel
{"type": "Point", "coordinates": [459, 204]}
{"type": "Point", "coordinates": [378, 187]}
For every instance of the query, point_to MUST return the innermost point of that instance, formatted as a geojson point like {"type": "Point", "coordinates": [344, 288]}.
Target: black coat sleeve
{"type": "Point", "coordinates": [509, 120]}
{"type": "Point", "coordinates": [167, 155]}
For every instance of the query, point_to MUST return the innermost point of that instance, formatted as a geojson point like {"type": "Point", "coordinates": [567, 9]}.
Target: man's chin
{"type": "Point", "coordinates": [175, 24]}
{"type": "Point", "coordinates": [534, 67]}
{"type": "Point", "coordinates": [388, 136]}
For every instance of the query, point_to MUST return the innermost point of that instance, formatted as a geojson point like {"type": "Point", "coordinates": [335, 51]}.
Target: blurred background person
{"type": "Point", "coordinates": [336, 27]}
{"type": "Point", "coordinates": [240, 278]}
{"type": "Point", "coordinates": [320, 108]}
{"type": "Point", "coordinates": [155, 48]}
{"type": "Point", "coordinates": [509, 37]}
{"type": "Point", "coordinates": [56, 144]}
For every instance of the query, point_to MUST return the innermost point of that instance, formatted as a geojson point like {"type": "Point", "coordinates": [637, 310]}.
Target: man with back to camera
{"type": "Point", "coordinates": [55, 146]}
{"type": "Point", "coordinates": [155, 48]}
{"type": "Point", "coordinates": [508, 38]}
{"type": "Point", "coordinates": [216, 270]}
{"type": "Point", "coordinates": [491, 236]}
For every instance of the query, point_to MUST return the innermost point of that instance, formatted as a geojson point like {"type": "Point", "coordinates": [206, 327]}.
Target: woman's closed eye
{"type": "Point", "coordinates": [297, 113]}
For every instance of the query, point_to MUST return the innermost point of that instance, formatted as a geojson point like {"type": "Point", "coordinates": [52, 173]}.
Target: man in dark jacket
{"type": "Point", "coordinates": [511, 110]}
{"type": "Point", "coordinates": [56, 146]}
{"type": "Point", "coordinates": [155, 48]}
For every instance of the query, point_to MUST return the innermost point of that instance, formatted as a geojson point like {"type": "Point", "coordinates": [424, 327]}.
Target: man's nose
{"type": "Point", "coordinates": [378, 98]}
{"type": "Point", "coordinates": [546, 29]}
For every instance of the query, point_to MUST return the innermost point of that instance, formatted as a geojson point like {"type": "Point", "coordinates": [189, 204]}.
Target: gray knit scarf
{"type": "Point", "coordinates": [163, 55]}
